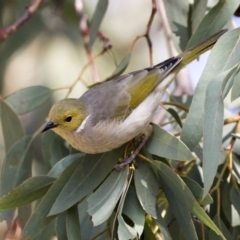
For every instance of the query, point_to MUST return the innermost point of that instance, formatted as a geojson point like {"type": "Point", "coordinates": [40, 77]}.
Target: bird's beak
{"type": "Point", "coordinates": [49, 125]}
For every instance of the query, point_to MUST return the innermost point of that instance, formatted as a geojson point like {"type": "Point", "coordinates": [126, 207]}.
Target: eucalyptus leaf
{"type": "Point", "coordinates": [102, 202]}
{"type": "Point", "coordinates": [235, 198]}
{"type": "Point", "coordinates": [86, 177]}
{"type": "Point", "coordinates": [60, 226]}
{"type": "Point", "coordinates": [39, 220]}
{"type": "Point", "coordinates": [175, 115]}
{"type": "Point", "coordinates": [183, 195]}
{"type": "Point", "coordinates": [28, 99]}
{"type": "Point", "coordinates": [121, 66]}
{"type": "Point", "coordinates": [236, 86]}
{"type": "Point", "coordinates": [213, 127]}
{"type": "Point", "coordinates": [218, 221]}
{"type": "Point", "coordinates": [198, 13]}
{"type": "Point", "coordinates": [88, 231]}
{"type": "Point", "coordinates": [224, 56]}
{"type": "Point", "coordinates": [214, 21]}
{"type": "Point", "coordinates": [73, 224]}
{"type": "Point", "coordinates": [163, 226]}
{"type": "Point", "coordinates": [61, 165]}
{"type": "Point", "coordinates": [11, 126]}
{"type": "Point", "coordinates": [98, 15]}
{"type": "Point", "coordinates": [181, 214]}
{"type": "Point", "coordinates": [147, 186]}
{"type": "Point", "coordinates": [134, 211]}
{"type": "Point", "coordinates": [124, 230]}
{"type": "Point", "coordinates": [30, 190]}
{"type": "Point", "coordinates": [198, 192]}
{"type": "Point", "coordinates": [164, 144]}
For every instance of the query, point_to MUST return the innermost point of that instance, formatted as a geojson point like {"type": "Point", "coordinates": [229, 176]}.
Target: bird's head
{"type": "Point", "coordinates": [66, 116]}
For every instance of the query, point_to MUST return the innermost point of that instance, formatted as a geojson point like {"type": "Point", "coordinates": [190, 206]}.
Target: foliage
{"type": "Point", "coordinates": [180, 188]}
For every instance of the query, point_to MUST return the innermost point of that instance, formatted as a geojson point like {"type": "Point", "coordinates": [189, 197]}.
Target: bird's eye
{"type": "Point", "coordinates": [68, 119]}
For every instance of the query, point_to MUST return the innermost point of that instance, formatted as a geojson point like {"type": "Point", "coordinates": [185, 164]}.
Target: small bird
{"type": "Point", "coordinates": [113, 112]}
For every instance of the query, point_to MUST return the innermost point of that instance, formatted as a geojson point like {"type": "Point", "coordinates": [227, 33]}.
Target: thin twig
{"type": "Point", "coordinates": [30, 10]}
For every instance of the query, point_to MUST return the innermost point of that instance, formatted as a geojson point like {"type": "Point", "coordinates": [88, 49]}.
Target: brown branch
{"type": "Point", "coordinates": [84, 30]}
{"type": "Point", "coordinates": [147, 34]}
{"type": "Point", "coordinates": [30, 10]}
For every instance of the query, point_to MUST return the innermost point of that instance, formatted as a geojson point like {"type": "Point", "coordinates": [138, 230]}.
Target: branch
{"type": "Point", "coordinates": [30, 10]}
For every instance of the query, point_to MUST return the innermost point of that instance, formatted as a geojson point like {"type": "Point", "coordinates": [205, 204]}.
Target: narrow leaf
{"type": "Point", "coordinates": [88, 231]}
{"type": "Point", "coordinates": [28, 191]}
{"type": "Point", "coordinates": [61, 226]}
{"type": "Point", "coordinates": [214, 21]}
{"type": "Point", "coordinates": [28, 99]}
{"type": "Point", "coordinates": [11, 126]}
{"type": "Point", "coordinates": [164, 144]}
{"type": "Point", "coordinates": [60, 166]}
{"type": "Point", "coordinates": [183, 195]}
{"type": "Point", "coordinates": [98, 15]}
{"type": "Point", "coordinates": [86, 177]}
{"type": "Point", "coordinates": [39, 219]}
{"type": "Point", "coordinates": [223, 56]}
{"type": "Point", "coordinates": [121, 66]}
{"type": "Point", "coordinates": [235, 198]}
{"type": "Point", "coordinates": [182, 215]}
{"type": "Point", "coordinates": [175, 115]}
{"type": "Point", "coordinates": [73, 224]}
{"type": "Point", "coordinates": [147, 186]}
{"type": "Point", "coordinates": [102, 202]}
{"type": "Point", "coordinates": [198, 13]}
{"type": "Point", "coordinates": [236, 86]}
{"type": "Point", "coordinates": [213, 128]}
{"type": "Point", "coordinates": [17, 165]}
{"type": "Point", "coordinates": [134, 211]}
{"type": "Point", "coordinates": [124, 230]}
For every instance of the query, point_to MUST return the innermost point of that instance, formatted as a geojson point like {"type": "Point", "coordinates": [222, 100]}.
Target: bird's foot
{"type": "Point", "coordinates": [131, 158]}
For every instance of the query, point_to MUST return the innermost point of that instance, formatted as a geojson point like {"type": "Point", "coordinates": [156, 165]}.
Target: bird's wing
{"type": "Point", "coordinates": [121, 95]}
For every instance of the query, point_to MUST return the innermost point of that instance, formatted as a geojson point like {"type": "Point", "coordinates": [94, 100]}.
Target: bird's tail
{"type": "Point", "coordinates": [192, 53]}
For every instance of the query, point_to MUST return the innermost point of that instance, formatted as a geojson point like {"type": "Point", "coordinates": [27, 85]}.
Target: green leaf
{"type": "Point", "coordinates": [198, 192]}
{"type": "Point", "coordinates": [30, 190]}
{"type": "Point", "coordinates": [183, 195]}
{"type": "Point", "coordinates": [61, 226]}
{"type": "Point", "coordinates": [147, 186]}
{"type": "Point", "coordinates": [163, 226]}
{"type": "Point", "coordinates": [16, 167]}
{"type": "Point", "coordinates": [182, 215]}
{"type": "Point", "coordinates": [121, 66]}
{"type": "Point", "coordinates": [86, 177]}
{"type": "Point", "coordinates": [124, 230]}
{"type": "Point", "coordinates": [28, 99]}
{"type": "Point", "coordinates": [73, 224]}
{"type": "Point", "coordinates": [61, 165]}
{"type": "Point", "coordinates": [39, 219]}
{"type": "Point", "coordinates": [51, 142]}
{"type": "Point", "coordinates": [98, 15]}
{"type": "Point", "coordinates": [235, 198]}
{"type": "Point", "coordinates": [223, 57]}
{"type": "Point", "coordinates": [213, 128]}
{"type": "Point", "coordinates": [164, 144]}
{"type": "Point", "coordinates": [88, 231]}
{"type": "Point", "coordinates": [198, 13]}
{"type": "Point", "coordinates": [134, 211]}
{"type": "Point", "coordinates": [178, 20]}
{"type": "Point", "coordinates": [11, 126]}
{"type": "Point", "coordinates": [214, 21]}
{"type": "Point", "coordinates": [175, 115]}
{"type": "Point", "coordinates": [102, 202]}
{"type": "Point", "coordinates": [218, 221]}
{"type": "Point", "coordinates": [236, 86]}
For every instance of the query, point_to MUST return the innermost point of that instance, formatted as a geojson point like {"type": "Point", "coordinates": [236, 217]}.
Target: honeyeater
{"type": "Point", "coordinates": [113, 112]}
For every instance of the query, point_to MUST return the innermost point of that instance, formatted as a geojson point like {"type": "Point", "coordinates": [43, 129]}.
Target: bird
{"type": "Point", "coordinates": [114, 112]}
